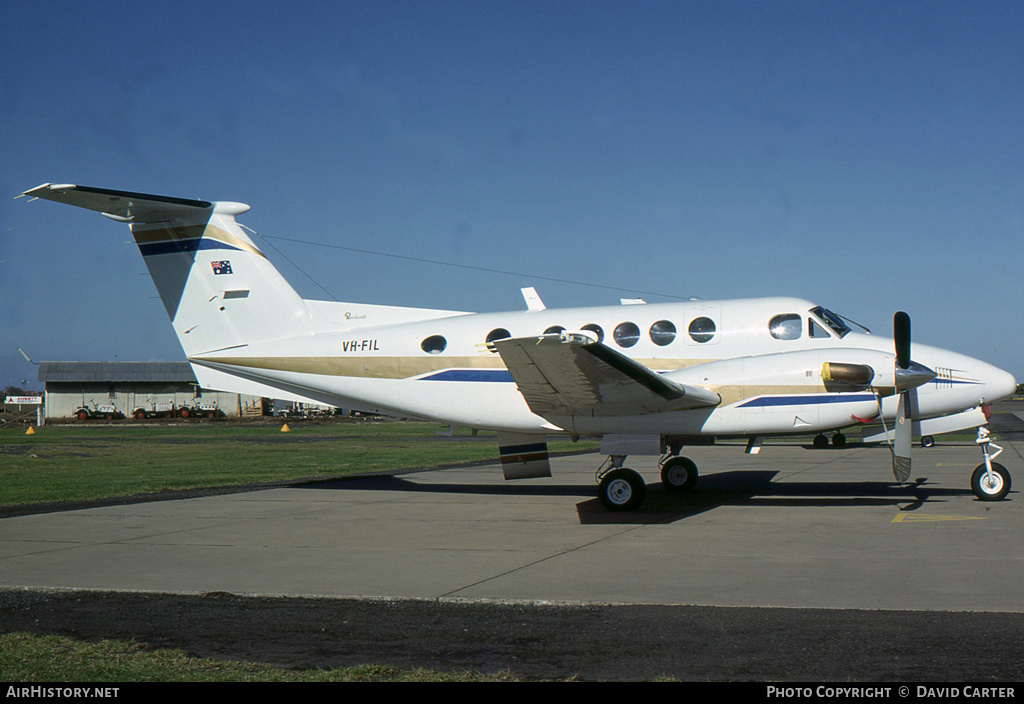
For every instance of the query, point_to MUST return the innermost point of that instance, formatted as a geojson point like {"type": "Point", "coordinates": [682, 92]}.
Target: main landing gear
{"type": "Point", "coordinates": [821, 440]}
{"type": "Point", "coordinates": [990, 481]}
{"type": "Point", "coordinates": [623, 489]}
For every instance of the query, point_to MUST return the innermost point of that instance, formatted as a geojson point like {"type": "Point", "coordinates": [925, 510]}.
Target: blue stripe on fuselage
{"type": "Point", "coordinates": [493, 375]}
{"type": "Point", "coordinates": [180, 246]}
{"type": "Point", "coordinates": [809, 400]}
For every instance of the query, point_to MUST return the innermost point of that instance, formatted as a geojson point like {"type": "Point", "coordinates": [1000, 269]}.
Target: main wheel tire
{"type": "Point", "coordinates": [622, 490]}
{"type": "Point", "coordinates": [820, 441]}
{"type": "Point", "coordinates": [679, 474]}
{"type": "Point", "coordinates": [994, 488]}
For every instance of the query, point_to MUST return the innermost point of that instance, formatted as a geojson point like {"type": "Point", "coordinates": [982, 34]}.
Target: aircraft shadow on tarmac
{"type": "Point", "coordinates": [737, 488]}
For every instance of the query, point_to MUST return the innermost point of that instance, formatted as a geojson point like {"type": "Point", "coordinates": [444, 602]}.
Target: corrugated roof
{"type": "Point", "coordinates": [178, 372]}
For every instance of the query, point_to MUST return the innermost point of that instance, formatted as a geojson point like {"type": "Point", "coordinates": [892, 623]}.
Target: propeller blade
{"type": "Point", "coordinates": [901, 334]}
{"type": "Point", "coordinates": [910, 378]}
{"type": "Point", "coordinates": [902, 442]}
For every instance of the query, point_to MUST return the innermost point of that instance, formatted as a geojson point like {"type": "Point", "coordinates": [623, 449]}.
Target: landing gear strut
{"type": "Point", "coordinates": [990, 481]}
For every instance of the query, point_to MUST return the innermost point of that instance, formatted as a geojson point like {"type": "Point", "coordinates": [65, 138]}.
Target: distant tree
{"type": "Point", "coordinates": [14, 391]}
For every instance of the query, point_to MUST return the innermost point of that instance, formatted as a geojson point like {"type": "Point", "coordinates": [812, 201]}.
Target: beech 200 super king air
{"type": "Point", "coordinates": [647, 379]}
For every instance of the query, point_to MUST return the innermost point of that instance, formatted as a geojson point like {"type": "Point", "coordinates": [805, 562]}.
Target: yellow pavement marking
{"type": "Point", "coordinates": [913, 518]}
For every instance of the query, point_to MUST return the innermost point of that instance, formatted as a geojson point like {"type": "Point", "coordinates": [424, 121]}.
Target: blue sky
{"type": "Point", "coordinates": [866, 155]}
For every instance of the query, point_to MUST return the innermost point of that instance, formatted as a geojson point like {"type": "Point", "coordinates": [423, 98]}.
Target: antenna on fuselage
{"type": "Point", "coordinates": [532, 298]}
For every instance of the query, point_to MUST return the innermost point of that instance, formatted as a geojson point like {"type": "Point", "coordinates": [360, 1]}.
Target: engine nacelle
{"type": "Point", "coordinates": [839, 369]}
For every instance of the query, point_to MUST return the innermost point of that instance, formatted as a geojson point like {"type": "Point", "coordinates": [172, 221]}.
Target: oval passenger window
{"type": "Point", "coordinates": [663, 332]}
{"type": "Point", "coordinates": [626, 334]}
{"type": "Point", "coordinates": [497, 334]}
{"type": "Point", "coordinates": [702, 329]}
{"type": "Point", "coordinates": [434, 344]}
{"type": "Point", "coordinates": [596, 329]}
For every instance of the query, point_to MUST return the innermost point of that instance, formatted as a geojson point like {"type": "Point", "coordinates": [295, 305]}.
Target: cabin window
{"type": "Point", "coordinates": [434, 344]}
{"type": "Point", "coordinates": [596, 329]}
{"type": "Point", "coordinates": [554, 330]}
{"type": "Point", "coordinates": [663, 332]}
{"type": "Point", "coordinates": [497, 334]}
{"type": "Point", "coordinates": [786, 327]}
{"type": "Point", "coordinates": [626, 334]}
{"type": "Point", "coordinates": [702, 329]}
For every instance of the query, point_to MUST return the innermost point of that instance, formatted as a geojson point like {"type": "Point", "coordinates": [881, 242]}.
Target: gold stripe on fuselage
{"type": "Point", "coordinates": [410, 367]}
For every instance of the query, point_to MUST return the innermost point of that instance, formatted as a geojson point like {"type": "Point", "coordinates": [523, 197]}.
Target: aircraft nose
{"type": "Point", "coordinates": [999, 384]}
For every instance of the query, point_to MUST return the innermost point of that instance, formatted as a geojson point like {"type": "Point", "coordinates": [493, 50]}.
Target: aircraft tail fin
{"type": "Point", "coordinates": [218, 288]}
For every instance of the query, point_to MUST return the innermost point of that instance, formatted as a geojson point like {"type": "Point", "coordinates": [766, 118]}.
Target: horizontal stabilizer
{"type": "Point", "coordinates": [572, 375]}
{"type": "Point", "coordinates": [126, 206]}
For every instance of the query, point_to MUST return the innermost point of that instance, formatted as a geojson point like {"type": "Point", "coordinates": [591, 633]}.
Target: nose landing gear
{"type": "Point", "coordinates": [990, 480]}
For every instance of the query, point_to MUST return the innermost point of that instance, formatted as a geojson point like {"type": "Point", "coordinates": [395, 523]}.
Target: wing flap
{"type": "Point", "coordinates": [572, 375]}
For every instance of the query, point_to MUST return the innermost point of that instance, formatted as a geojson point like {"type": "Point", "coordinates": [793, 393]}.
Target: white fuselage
{"type": "Point", "coordinates": [764, 357]}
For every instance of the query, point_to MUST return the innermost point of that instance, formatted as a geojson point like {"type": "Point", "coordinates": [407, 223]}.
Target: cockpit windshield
{"type": "Point", "coordinates": [830, 319]}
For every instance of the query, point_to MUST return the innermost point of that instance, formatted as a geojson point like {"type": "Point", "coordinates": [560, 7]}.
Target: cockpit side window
{"type": "Point", "coordinates": [832, 321]}
{"type": "Point", "coordinates": [786, 327]}
{"type": "Point", "coordinates": [815, 330]}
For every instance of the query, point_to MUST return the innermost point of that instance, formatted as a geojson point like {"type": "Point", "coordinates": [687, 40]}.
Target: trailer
{"type": "Point", "coordinates": [170, 410]}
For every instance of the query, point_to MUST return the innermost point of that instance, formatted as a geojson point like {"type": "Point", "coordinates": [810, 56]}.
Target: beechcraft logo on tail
{"type": "Point", "coordinates": [222, 267]}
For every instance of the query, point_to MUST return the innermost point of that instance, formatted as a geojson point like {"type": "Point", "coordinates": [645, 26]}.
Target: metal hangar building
{"type": "Point", "coordinates": [132, 389]}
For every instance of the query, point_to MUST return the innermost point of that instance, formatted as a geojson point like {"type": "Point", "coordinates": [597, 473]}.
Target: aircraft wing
{"type": "Point", "coordinates": [573, 375]}
{"type": "Point", "coordinates": [120, 205]}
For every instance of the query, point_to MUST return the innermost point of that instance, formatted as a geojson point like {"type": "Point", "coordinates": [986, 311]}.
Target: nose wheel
{"type": "Point", "coordinates": [990, 480]}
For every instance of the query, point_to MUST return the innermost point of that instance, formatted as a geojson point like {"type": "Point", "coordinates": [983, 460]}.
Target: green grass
{"type": "Point", "coordinates": [87, 462]}
{"type": "Point", "coordinates": [27, 658]}
{"type": "Point", "coordinates": [82, 462]}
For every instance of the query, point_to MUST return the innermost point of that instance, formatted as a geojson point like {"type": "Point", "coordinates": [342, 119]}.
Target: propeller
{"type": "Point", "coordinates": [909, 375]}
{"type": "Point", "coordinates": [902, 431]}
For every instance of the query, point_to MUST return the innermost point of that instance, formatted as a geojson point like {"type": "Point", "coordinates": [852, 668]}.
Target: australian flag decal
{"type": "Point", "coordinates": [221, 267]}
